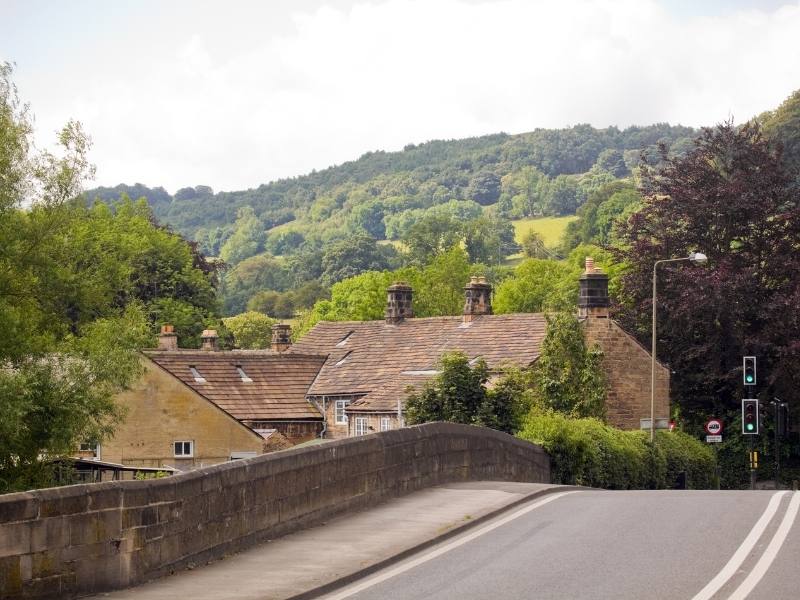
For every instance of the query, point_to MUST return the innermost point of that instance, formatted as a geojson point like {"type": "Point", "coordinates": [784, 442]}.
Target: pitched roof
{"type": "Point", "coordinates": [384, 399]}
{"type": "Point", "coordinates": [365, 356]}
{"type": "Point", "coordinates": [271, 385]}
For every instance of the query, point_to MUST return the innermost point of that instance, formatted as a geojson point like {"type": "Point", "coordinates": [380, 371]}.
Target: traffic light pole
{"type": "Point", "coordinates": [752, 465]}
{"type": "Point", "coordinates": [777, 404]}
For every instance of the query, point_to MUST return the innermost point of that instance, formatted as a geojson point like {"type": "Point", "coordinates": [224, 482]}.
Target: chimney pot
{"type": "Point", "coordinates": [281, 337]}
{"type": "Point", "coordinates": [593, 297]}
{"type": "Point", "coordinates": [209, 337]}
{"type": "Point", "coordinates": [167, 339]}
{"type": "Point", "coordinates": [477, 298]}
{"type": "Point", "coordinates": [399, 306]}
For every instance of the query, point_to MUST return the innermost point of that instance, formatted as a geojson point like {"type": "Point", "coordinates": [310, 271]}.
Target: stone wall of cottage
{"type": "Point", "coordinates": [627, 366]}
{"type": "Point", "coordinates": [161, 411]}
{"type": "Point", "coordinates": [85, 539]}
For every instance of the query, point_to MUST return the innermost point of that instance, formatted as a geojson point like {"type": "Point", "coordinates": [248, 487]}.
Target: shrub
{"type": "Point", "coordinates": [587, 452]}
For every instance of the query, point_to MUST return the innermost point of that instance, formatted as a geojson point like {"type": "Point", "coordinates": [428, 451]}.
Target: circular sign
{"type": "Point", "coordinates": [714, 426]}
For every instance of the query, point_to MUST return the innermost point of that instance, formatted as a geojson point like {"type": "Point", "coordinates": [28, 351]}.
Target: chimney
{"type": "Point", "coordinates": [477, 298]}
{"type": "Point", "coordinates": [209, 337]}
{"type": "Point", "coordinates": [167, 339]}
{"type": "Point", "coordinates": [398, 302]}
{"type": "Point", "coordinates": [281, 337]}
{"type": "Point", "coordinates": [593, 297]}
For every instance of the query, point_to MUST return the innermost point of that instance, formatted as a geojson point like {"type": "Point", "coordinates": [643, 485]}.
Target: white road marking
{"type": "Point", "coordinates": [763, 564]}
{"type": "Point", "coordinates": [729, 570]}
{"type": "Point", "coordinates": [406, 566]}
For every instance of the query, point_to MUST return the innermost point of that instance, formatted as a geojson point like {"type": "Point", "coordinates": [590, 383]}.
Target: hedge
{"type": "Point", "coordinates": [588, 452]}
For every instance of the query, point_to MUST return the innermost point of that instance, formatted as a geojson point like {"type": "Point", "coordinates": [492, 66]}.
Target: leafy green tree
{"type": "Point", "coordinates": [612, 161]}
{"type": "Point", "coordinates": [533, 246]}
{"type": "Point", "coordinates": [247, 239]}
{"type": "Point", "coordinates": [458, 394]}
{"type": "Point", "coordinates": [537, 286]}
{"type": "Point", "coordinates": [562, 196]}
{"type": "Point", "coordinates": [783, 126]}
{"type": "Point", "coordinates": [251, 330]}
{"type": "Point", "coordinates": [484, 188]}
{"type": "Point", "coordinates": [260, 272]}
{"type": "Point", "coordinates": [568, 377]}
{"type": "Point", "coordinates": [489, 239]}
{"type": "Point", "coordinates": [431, 236]}
{"type": "Point", "coordinates": [597, 217]}
{"type": "Point", "coordinates": [351, 256]}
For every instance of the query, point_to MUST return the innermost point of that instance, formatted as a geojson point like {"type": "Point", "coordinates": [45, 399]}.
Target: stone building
{"type": "Point", "coordinates": [195, 408]}
{"type": "Point", "coordinates": [371, 365]}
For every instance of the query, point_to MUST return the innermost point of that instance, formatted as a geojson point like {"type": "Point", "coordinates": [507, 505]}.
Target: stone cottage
{"type": "Point", "coordinates": [195, 408]}
{"type": "Point", "coordinates": [370, 365]}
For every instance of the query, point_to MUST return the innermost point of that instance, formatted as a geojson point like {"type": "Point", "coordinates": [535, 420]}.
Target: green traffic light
{"type": "Point", "coordinates": [749, 378]}
{"type": "Point", "coordinates": [749, 427]}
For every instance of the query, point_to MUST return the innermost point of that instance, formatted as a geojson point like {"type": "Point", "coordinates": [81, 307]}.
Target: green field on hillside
{"type": "Point", "coordinates": [550, 228]}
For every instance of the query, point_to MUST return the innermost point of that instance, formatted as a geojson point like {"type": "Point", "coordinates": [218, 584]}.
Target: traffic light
{"type": "Point", "coordinates": [749, 370]}
{"type": "Point", "coordinates": [750, 416]}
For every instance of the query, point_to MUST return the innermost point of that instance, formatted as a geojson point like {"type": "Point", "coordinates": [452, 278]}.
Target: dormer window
{"type": "Point", "coordinates": [197, 377]}
{"type": "Point", "coordinates": [344, 339]}
{"type": "Point", "coordinates": [243, 375]}
{"type": "Point", "coordinates": [342, 360]}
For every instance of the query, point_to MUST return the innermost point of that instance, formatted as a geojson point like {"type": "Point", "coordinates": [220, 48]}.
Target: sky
{"type": "Point", "coordinates": [238, 93]}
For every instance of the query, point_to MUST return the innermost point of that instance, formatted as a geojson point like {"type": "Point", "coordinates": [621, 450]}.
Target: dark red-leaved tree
{"type": "Point", "coordinates": [730, 199]}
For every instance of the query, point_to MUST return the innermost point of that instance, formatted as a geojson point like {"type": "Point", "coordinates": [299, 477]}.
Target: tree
{"type": "Point", "coordinates": [351, 256]}
{"type": "Point", "coordinates": [484, 188]}
{"type": "Point", "coordinates": [431, 236]}
{"type": "Point", "coordinates": [247, 239]}
{"type": "Point", "coordinates": [251, 330]}
{"type": "Point", "coordinates": [458, 394]}
{"type": "Point", "coordinates": [730, 198]}
{"type": "Point", "coordinates": [533, 245]}
{"type": "Point", "coordinates": [783, 126]}
{"type": "Point", "coordinates": [536, 286]}
{"type": "Point", "coordinates": [568, 377]}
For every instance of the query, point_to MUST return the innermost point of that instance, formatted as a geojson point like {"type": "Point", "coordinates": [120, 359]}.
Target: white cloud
{"type": "Point", "coordinates": [380, 75]}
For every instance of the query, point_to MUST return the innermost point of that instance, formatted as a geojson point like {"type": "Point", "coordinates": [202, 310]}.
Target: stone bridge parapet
{"type": "Point", "coordinates": [83, 539]}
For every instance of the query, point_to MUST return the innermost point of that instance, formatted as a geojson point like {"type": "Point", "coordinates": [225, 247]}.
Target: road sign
{"type": "Point", "coordinates": [713, 438]}
{"type": "Point", "coordinates": [714, 426]}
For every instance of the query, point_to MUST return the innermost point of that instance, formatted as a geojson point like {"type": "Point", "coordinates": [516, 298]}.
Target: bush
{"type": "Point", "coordinates": [587, 452]}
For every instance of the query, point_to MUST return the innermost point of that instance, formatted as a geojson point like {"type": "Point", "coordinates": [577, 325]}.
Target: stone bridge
{"type": "Point", "coordinates": [83, 539]}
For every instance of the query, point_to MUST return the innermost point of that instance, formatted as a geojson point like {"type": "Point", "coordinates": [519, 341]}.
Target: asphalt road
{"type": "Point", "coordinates": [603, 544]}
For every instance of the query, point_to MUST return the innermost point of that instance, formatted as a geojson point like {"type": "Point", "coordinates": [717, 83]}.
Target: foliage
{"type": "Point", "coordinates": [782, 126]}
{"type": "Point", "coordinates": [587, 452]}
{"type": "Point", "coordinates": [438, 290]}
{"type": "Point", "coordinates": [78, 287]}
{"type": "Point", "coordinates": [568, 376]}
{"type": "Point", "coordinates": [251, 330]}
{"type": "Point", "coordinates": [731, 199]}
{"type": "Point", "coordinates": [537, 286]}
{"type": "Point", "coordinates": [596, 218]}
{"type": "Point", "coordinates": [353, 255]}
{"type": "Point", "coordinates": [247, 239]}
{"type": "Point", "coordinates": [533, 246]}
{"type": "Point", "coordinates": [458, 394]}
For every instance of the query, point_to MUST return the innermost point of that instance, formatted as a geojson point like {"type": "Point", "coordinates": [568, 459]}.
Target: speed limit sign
{"type": "Point", "coordinates": [714, 426]}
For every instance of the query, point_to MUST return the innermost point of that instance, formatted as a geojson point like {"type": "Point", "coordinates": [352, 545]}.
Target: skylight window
{"type": "Point", "coordinates": [344, 339]}
{"type": "Point", "coordinates": [197, 377]}
{"type": "Point", "coordinates": [243, 375]}
{"type": "Point", "coordinates": [343, 359]}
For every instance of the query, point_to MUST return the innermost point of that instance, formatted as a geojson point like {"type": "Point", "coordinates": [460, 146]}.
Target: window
{"type": "Point", "coordinates": [184, 449]}
{"type": "Point", "coordinates": [342, 360]}
{"type": "Point", "coordinates": [197, 377]}
{"type": "Point", "coordinates": [386, 423]}
{"type": "Point", "coordinates": [344, 340]}
{"type": "Point", "coordinates": [92, 448]}
{"type": "Point", "coordinates": [243, 375]}
{"type": "Point", "coordinates": [340, 416]}
{"type": "Point", "coordinates": [361, 426]}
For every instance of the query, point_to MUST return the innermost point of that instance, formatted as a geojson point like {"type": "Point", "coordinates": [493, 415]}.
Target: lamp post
{"type": "Point", "coordinates": [695, 257]}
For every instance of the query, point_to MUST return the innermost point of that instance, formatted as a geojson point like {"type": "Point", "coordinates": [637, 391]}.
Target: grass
{"type": "Point", "coordinates": [550, 228]}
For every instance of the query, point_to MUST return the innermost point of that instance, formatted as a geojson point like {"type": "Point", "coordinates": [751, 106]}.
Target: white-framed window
{"type": "Point", "coordinates": [92, 447]}
{"type": "Point", "coordinates": [340, 417]}
{"type": "Point", "coordinates": [184, 449]}
{"type": "Point", "coordinates": [361, 426]}
{"type": "Point", "coordinates": [386, 423]}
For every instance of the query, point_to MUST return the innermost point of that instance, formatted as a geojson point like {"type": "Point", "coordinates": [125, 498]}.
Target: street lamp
{"type": "Point", "coordinates": [697, 258]}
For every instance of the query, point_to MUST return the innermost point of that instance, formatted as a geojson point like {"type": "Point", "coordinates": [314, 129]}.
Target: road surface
{"type": "Point", "coordinates": [603, 544]}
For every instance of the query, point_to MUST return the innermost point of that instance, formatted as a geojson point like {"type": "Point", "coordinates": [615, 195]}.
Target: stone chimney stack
{"type": "Point", "coordinates": [167, 339]}
{"type": "Point", "coordinates": [281, 337]}
{"type": "Point", "coordinates": [209, 337]}
{"type": "Point", "coordinates": [398, 302]}
{"type": "Point", "coordinates": [593, 298]}
{"type": "Point", "coordinates": [477, 298]}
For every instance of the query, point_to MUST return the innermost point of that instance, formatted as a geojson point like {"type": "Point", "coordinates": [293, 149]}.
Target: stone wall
{"type": "Point", "coordinates": [64, 542]}
{"type": "Point", "coordinates": [627, 367]}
